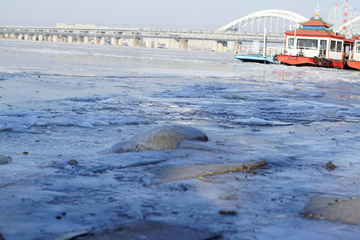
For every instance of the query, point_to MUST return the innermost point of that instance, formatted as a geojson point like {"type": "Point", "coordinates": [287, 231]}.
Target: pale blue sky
{"type": "Point", "coordinates": [181, 14]}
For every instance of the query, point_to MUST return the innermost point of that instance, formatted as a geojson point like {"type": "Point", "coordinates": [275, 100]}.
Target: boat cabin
{"type": "Point", "coordinates": [315, 39]}
{"type": "Point", "coordinates": [356, 55]}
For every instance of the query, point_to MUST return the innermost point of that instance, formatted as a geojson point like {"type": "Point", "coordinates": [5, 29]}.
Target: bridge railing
{"type": "Point", "coordinates": [148, 33]}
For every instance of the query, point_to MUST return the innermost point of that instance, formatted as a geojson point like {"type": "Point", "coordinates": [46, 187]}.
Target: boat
{"type": "Point", "coordinates": [253, 53]}
{"type": "Point", "coordinates": [315, 44]}
{"type": "Point", "coordinates": [256, 58]}
{"type": "Point", "coordinates": [354, 63]}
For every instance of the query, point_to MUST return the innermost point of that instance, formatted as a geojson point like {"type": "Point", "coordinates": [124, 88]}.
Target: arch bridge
{"type": "Point", "coordinates": [271, 14]}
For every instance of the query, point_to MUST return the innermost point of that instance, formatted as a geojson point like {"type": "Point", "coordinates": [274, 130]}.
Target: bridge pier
{"type": "Point", "coordinates": [102, 41]}
{"type": "Point", "coordinates": [135, 42]}
{"type": "Point", "coordinates": [237, 47]}
{"type": "Point", "coordinates": [96, 40]}
{"type": "Point", "coordinates": [156, 42]}
{"type": "Point", "coordinates": [184, 44]}
{"type": "Point", "coordinates": [86, 40]}
{"type": "Point", "coordinates": [220, 46]}
{"type": "Point", "coordinates": [114, 41]}
{"type": "Point", "coordinates": [26, 37]}
{"type": "Point", "coordinates": [40, 37]}
{"type": "Point", "coordinates": [62, 39]}
{"type": "Point", "coordinates": [55, 38]}
{"type": "Point", "coordinates": [70, 39]}
{"type": "Point", "coordinates": [172, 43]}
{"type": "Point", "coordinates": [80, 39]}
{"type": "Point", "coordinates": [149, 43]}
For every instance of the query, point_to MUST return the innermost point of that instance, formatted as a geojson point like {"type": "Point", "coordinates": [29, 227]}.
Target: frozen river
{"type": "Point", "coordinates": [60, 102]}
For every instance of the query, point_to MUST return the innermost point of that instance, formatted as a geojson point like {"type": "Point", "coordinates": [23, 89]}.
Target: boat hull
{"type": "Point", "coordinates": [354, 64]}
{"type": "Point", "coordinates": [256, 59]}
{"type": "Point", "coordinates": [310, 61]}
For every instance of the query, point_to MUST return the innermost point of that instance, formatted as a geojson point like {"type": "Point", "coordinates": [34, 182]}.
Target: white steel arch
{"type": "Point", "coordinates": [353, 24]}
{"type": "Point", "coordinates": [260, 15]}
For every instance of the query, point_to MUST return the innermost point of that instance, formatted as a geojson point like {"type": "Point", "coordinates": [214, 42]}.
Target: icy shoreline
{"type": "Point", "coordinates": [59, 105]}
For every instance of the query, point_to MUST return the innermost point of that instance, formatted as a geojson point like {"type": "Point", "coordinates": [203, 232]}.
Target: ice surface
{"type": "Point", "coordinates": [60, 102]}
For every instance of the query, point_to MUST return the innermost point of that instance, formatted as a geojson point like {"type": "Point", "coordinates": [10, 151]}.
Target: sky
{"type": "Point", "coordinates": [181, 14]}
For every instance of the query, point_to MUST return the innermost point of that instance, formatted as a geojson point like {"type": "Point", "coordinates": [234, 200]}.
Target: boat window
{"type": "Point", "coordinates": [339, 47]}
{"type": "Point", "coordinates": [333, 46]}
{"type": "Point", "coordinates": [291, 43]}
{"type": "Point", "coordinates": [323, 46]}
{"type": "Point", "coordinates": [307, 44]}
{"type": "Point", "coordinates": [358, 47]}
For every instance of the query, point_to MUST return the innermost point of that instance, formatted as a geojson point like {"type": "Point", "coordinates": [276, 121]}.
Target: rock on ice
{"type": "Point", "coordinates": [158, 138]}
{"type": "Point", "coordinates": [5, 159]}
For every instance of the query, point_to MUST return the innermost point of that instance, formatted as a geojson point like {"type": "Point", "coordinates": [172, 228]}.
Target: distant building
{"type": "Point", "coordinates": [76, 25]}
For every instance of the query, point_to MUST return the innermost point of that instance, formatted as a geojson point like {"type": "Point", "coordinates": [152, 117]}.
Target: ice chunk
{"type": "Point", "coordinates": [158, 138]}
{"type": "Point", "coordinates": [5, 159]}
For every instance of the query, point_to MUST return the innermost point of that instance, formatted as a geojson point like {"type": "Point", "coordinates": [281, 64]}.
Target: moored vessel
{"type": "Point", "coordinates": [315, 44]}
{"type": "Point", "coordinates": [354, 62]}
{"type": "Point", "coordinates": [253, 53]}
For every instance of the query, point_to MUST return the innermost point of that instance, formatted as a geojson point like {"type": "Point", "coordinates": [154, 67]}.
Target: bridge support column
{"type": "Point", "coordinates": [135, 42]}
{"type": "Point", "coordinates": [114, 41]}
{"type": "Point", "coordinates": [156, 42]}
{"type": "Point", "coordinates": [6, 35]}
{"type": "Point", "coordinates": [184, 44]}
{"type": "Point", "coordinates": [80, 39]}
{"type": "Point", "coordinates": [40, 37]}
{"type": "Point", "coordinates": [55, 38]}
{"type": "Point", "coordinates": [149, 43]}
{"type": "Point", "coordinates": [96, 40]}
{"type": "Point", "coordinates": [214, 44]}
{"type": "Point", "coordinates": [16, 36]}
{"type": "Point", "coordinates": [225, 46]}
{"type": "Point", "coordinates": [120, 42]}
{"type": "Point", "coordinates": [237, 47]}
{"type": "Point", "coordinates": [63, 39]}
{"type": "Point", "coordinates": [221, 46]}
{"type": "Point", "coordinates": [1, 35]}
{"type": "Point", "coordinates": [86, 40]}
{"type": "Point", "coordinates": [70, 39]}
{"type": "Point", "coordinates": [102, 41]}
{"type": "Point", "coordinates": [172, 44]}
{"type": "Point", "coordinates": [26, 37]}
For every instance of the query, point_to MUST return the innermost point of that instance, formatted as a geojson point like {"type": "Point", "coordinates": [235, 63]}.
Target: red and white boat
{"type": "Point", "coordinates": [354, 63]}
{"type": "Point", "coordinates": [314, 44]}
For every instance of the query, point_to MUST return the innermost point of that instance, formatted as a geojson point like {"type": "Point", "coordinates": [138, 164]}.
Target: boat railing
{"type": "Point", "coordinates": [257, 50]}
